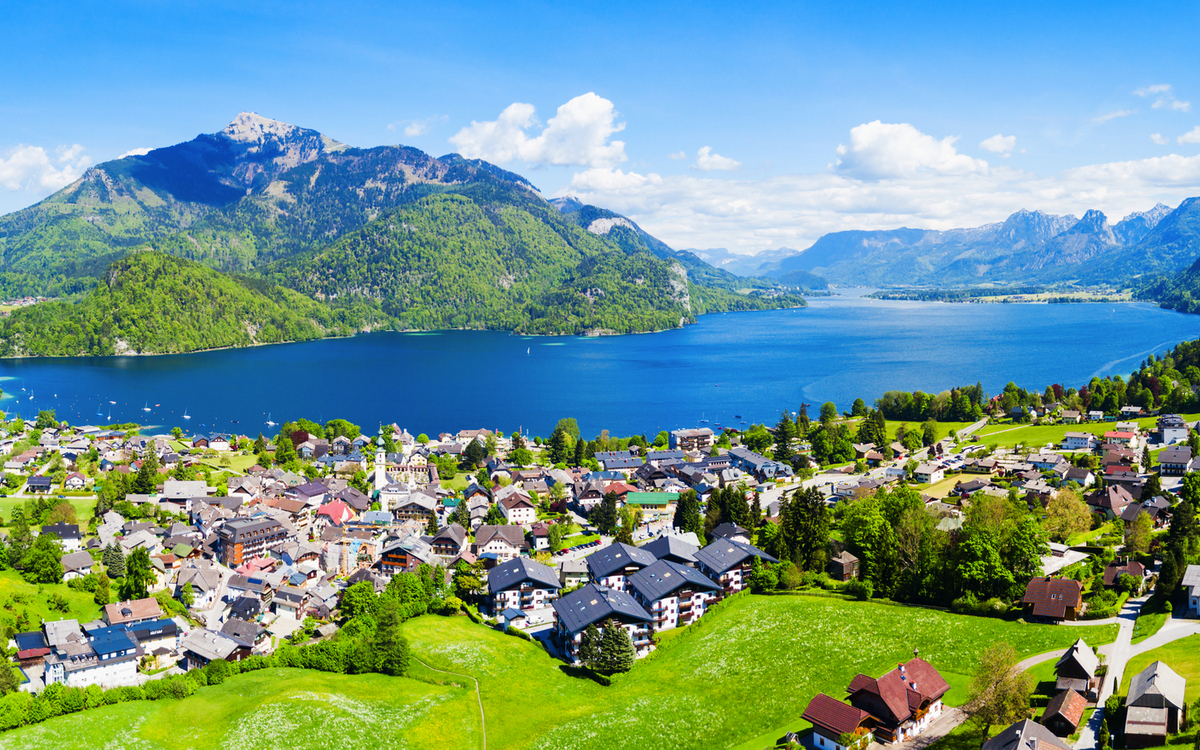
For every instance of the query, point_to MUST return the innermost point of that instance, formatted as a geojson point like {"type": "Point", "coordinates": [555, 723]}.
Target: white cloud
{"type": "Point", "coordinates": [880, 150]}
{"type": "Point", "coordinates": [135, 152]}
{"type": "Point", "coordinates": [1000, 144]}
{"type": "Point", "coordinates": [414, 129]}
{"type": "Point", "coordinates": [1157, 138]}
{"type": "Point", "coordinates": [707, 161]}
{"type": "Point", "coordinates": [578, 135]}
{"type": "Point", "coordinates": [1192, 136]}
{"type": "Point", "coordinates": [871, 187]}
{"type": "Point", "coordinates": [31, 169]}
{"type": "Point", "coordinates": [1160, 88]}
{"type": "Point", "coordinates": [1170, 102]}
{"type": "Point", "coordinates": [677, 155]}
{"type": "Point", "coordinates": [1114, 115]}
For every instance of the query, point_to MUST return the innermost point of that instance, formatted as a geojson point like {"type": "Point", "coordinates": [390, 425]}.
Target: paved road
{"type": "Point", "coordinates": [1118, 653]}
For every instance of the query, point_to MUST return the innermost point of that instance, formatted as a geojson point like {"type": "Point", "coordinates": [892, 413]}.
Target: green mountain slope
{"type": "Point", "coordinates": [154, 303]}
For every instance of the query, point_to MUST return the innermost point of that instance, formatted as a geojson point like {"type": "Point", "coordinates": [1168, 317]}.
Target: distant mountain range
{"type": "Point", "coordinates": [383, 237]}
{"type": "Point", "coordinates": [1027, 247]}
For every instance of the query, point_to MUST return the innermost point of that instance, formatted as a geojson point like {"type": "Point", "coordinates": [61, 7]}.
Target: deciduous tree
{"type": "Point", "coordinates": [999, 692]}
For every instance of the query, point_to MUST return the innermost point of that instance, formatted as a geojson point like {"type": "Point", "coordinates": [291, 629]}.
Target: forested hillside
{"type": "Point", "coordinates": [154, 303]}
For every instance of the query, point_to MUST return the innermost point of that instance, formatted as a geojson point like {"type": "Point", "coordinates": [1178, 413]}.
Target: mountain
{"type": "Point", "coordinates": [1027, 247]}
{"type": "Point", "coordinates": [759, 264]}
{"type": "Point", "coordinates": [154, 303]}
{"type": "Point", "coordinates": [381, 237]}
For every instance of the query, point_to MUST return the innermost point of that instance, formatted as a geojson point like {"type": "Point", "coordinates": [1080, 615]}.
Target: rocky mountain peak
{"type": "Point", "coordinates": [250, 127]}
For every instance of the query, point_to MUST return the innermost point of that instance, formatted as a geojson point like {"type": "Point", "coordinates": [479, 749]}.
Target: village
{"type": "Point", "coordinates": [592, 556]}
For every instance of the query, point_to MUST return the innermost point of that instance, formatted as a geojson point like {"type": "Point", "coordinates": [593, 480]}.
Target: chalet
{"type": "Point", "coordinates": [405, 555]}
{"type": "Point", "coordinates": [843, 566]}
{"type": "Point", "coordinates": [765, 469]}
{"type": "Point", "coordinates": [674, 594]}
{"type": "Point", "coordinates": [1156, 508]}
{"type": "Point", "coordinates": [1026, 735]}
{"type": "Point", "coordinates": [1076, 670]}
{"type": "Point", "coordinates": [1078, 441]}
{"type": "Point", "coordinates": [132, 612]}
{"type": "Point", "coordinates": [75, 482]}
{"type": "Point", "coordinates": [728, 562]}
{"type": "Point", "coordinates": [77, 565]}
{"type": "Point", "coordinates": [68, 535]}
{"type": "Point", "coordinates": [450, 541]}
{"type": "Point", "coordinates": [1070, 416]}
{"type": "Point", "coordinates": [611, 566]}
{"type": "Point", "coordinates": [335, 513]}
{"type": "Point", "coordinates": [672, 549]}
{"type": "Point", "coordinates": [903, 702]}
{"type": "Point", "coordinates": [1053, 599]}
{"type": "Point", "coordinates": [1123, 439]}
{"type": "Point", "coordinates": [731, 531]}
{"type": "Point", "coordinates": [1155, 706]}
{"type": "Point", "coordinates": [503, 542]}
{"type": "Point", "coordinates": [518, 509]}
{"type": "Point", "coordinates": [201, 646]}
{"type": "Point", "coordinates": [289, 600]}
{"type": "Point", "coordinates": [1123, 567]}
{"type": "Point", "coordinates": [1110, 501]}
{"type": "Point", "coordinates": [929, 473]}
{"type": "Point", "coordinates": [416, 506]}
{"type": "Point", "coordinates": [1174, 460]}
{"type": "Point", "coordinates": [38, 484]}
{"type": "Point", "coordinates": [1082, 477]}
{"type": "Point", "coordinates": [597, 605]}
{"type": "Point", "coordinates": [522, 584]}
{"type": "Point", "coordinates": [834, 721]}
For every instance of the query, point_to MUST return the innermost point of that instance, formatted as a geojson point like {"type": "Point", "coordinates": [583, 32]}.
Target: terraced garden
{"type": "Point", "coordinates": [741, 678]}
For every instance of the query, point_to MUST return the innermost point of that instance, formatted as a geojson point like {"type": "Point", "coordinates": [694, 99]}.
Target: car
{"type": "Point", "coordinates": [62, 497]}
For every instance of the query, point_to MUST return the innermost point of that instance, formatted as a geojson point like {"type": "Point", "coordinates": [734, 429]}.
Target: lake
{"type": "Point", "coordinates": [750, 364]}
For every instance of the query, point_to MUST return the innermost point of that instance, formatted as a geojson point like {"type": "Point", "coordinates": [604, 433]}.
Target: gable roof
{"type": "Point", "coordinates": [615, 558]}
{"type": "Point", "coordinates": [834, 716]}
{"type": "Point", "coordinates": [1026, 735]}
{"type": "Point", "coordinates": [1068, 704]}
{"type": "Point", "coordinates": [514, 535]}
{"type": "Point", "coordinates": [592, 604]}
{"type": "Point", "coordinates": [663, 578]}
{"type": "Point", "coordinates": [903, 689]}
{"type": "Point", "coordinates": [1051, 597]}
{"type": "Point", "coordinates": [724, 554]}
{"type": "Point", "coordinates": [1157, 679]}
{"type": "Point", "coordinates": [1080, 653]}
{"type": "Point", "coordinates": [519, 570]}
{"type": "Point", "coordinates": [77, 561]}
{"type": "Point", "coordinates": [671, 547]}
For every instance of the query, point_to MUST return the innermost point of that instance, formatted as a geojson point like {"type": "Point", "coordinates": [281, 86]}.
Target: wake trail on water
{"type": "Point", "coordinates": [1109, 366]}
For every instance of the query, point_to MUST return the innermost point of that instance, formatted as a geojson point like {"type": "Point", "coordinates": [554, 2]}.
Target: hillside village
{"type": "Point", "coordinates": [208, 549]}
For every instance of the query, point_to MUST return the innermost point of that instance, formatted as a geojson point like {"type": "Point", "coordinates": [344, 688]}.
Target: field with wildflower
{"type": "Point", "coordinates": [742, 678]}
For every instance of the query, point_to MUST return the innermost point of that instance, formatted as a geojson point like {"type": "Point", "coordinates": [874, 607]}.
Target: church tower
{"type": "Point", "coordinates": [381, 477]}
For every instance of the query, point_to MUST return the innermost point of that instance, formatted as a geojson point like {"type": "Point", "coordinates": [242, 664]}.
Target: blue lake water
{"type": "Point", "coordinates": [748, 364]}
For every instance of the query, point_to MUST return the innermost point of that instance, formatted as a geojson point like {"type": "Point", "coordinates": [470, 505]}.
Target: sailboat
{"type": "Point", "coordinates": [99, 413]}
{"type": "Point", "coordinates": [269, 422]}
{"type": "Point", "coordinates": [185, 414]}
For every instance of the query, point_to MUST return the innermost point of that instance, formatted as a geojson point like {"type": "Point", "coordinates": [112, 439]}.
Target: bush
{"type": "Point", "coordinates": [861, 590]}
{"type": "Point", "coordinates": [967, 604]}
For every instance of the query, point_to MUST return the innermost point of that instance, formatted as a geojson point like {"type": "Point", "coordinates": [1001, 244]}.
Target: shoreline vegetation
{"type": "Point", "coordinates": [1005, 296]}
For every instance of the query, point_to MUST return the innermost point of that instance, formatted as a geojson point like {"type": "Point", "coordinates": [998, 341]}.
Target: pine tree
{"type": "Point", "coordinates": [462, 516]}
{"type": "Point", "coordinates": [785, 432]}
{"type": "Point", "coordinates": [114, 561]}
{"type": "Point", "coordinates": [616, 649]}
{"type": "Point", "coordinates": [431, 528]}
{"type": "Point", "coordinates": [579, 451]}
{"type": "Point", "coordinates": [802, 422]}
{"type": "Point", "coordinates": [589, 647]}
{"type": "Point", "coordinates": [102, 595]}
{"type": "Point", "coordinates": [687, 514]}
{"type": "Point", "coordinates": [146, 481]}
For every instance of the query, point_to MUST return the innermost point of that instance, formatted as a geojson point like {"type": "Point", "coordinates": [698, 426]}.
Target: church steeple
{"type": "Point", "coordinates": [381, 477]}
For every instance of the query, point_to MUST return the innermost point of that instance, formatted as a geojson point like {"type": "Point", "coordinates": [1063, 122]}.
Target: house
{"type": "Point", "coordinates": [691, 440]}
{"type": "Point", "coordinates": [504, 542]}
{"type": "Point", "coordinates": [1174, 460]}
{"type": "Point", "coordinates": [245, 634]}
{"type": "Point", "coordinates": [1155, 706]}
{"type": "Point", "coordinates": [1123, 439]}
{"type": "Point", "coordinates": [612, 565]}
{"type": "Point", "coordinates": [843, 566]}
{"type": "Point", "coordinates": [1026, 735]}
{"type": "Point", "coordinates": [404, 555]}
{"type": "Point", "coordinates": [75, 482]}
{"type": "Point", "coordinates": [132, 612]}
{"type": "Point", "coordinates": [1078, 441]}
{"type": "Point", "coordinates": [1076, 670]}
{"type": "Point", "coordinates": [1156, 508]}
{"type": "Point", "coordinates": [1054, 599]}
{"type": "Point", "coordinates": [522, 584]}
{"type": "Point", "coordinates": [1080, 476]}
{"type": "Point", "coordinates": [450, 541]}
{"type": "Point", "coordinates": [1172, 429]}
{"type": "Point", "coordinates": [929, 473]}
{"type": "Point", "coordinates": [68, 535]}
{"type": "Point", "coordinates": [731, 531]}
{"type": "Point", "coordinates": [201, 646]}
{"type": "Point", "coordinates": [106, 656]}
{"type": "Point", "coordinates": [1110, 501]}
{"type": "Point", "coordinates": [728, 562]}
{"type": "Point", "coordinates": [1191, 582]}
{"type": "Point", "coordinates": [241, 539]}
{"type": "Point", "coordinates": [206, 582]}
{"type": "Point", "coordinates": [76, 565]}
{"type": "Point", "coordinates": [1064, 712]}
{"type": "Point", "coordinates": [38, 484]}
{"type": "Point", "coordinates": [903, 702]}
{"type": "Point", "coordinates": [597, 605]}
{"type": "Point", "coordinates": [290, 601]}
{"type": "Point", "coordinates": [518, 509]}
{"type": "Point", "coordinates": [672, 549]}
{"type": "Point", "coordinates": [765, 469]}
{"type": "Point", "coordinates": [833, 721]}
{"type": "Point", "coordinates": [1070, 416]}
{"type": "Point", "coordinates": [660, 501]}
{"type": "Point", "coordinates": [1122, 567]}
{"type": "Point", "coordinates": [674, 594]}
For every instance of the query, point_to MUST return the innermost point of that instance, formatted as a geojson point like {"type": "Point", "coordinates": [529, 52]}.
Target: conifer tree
{"type": "Point", "coordinates": [616, 649]}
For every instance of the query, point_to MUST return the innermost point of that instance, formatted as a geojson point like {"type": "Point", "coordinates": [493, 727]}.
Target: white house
{"type": "Point", "coordinates": [674, 594]}
{"type": "Point", "coordinates": [522, 584]}
{"type": "Point", "coordinates": [929, 474]}
{"type": "Point", "coordinates": [1078, 441]}
{"type": "Point", "coordinates": [519, 510]}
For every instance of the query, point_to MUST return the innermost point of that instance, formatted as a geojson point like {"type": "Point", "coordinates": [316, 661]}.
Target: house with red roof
{"type": "Point", "coordinates": [1053, 599]}
{"type": "Point", "coordinates": [903, 702]}
{"type": "Point", "coordinates": [335, 512]}
{"type": "Point", "coordinates": [836, 722]}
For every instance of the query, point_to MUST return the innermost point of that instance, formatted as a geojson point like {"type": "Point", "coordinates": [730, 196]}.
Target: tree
{"type": "Point", "coordinates": [146, 481]}
{"type": "Point", "coordinates": [570, 426]}
{"type": "Point", "coordinates": [999, 692]}
{"type": "Point", "coordinates": [829, 413]}
{"type": "Point", "coordinates": [1137, 540]}
{"type": "Point", "coordinates": [138, 575]}
{"type": "Point", "coordinates": [804, 529]}
{"type": "Point", "coordinates": [468, 579]}
{"type": "Point", "coordinates": [43, 563]}
{"type": "Point", "coordinates": [555, 535]}
{"type": "Point", "coordinates": [358, 600]}
{"type": "Point", "coordinates": [687, 514]}
{"type": "Point", "coordinates": [260, 444]}
{"type": "Point", "coordinates": [102, 595]}
{"type": "Point", "coordinates": [929, 432]}
{"type": "Point", "coordinates": [8, 678]}
{"type": "Point", "coordinates": [285, 450]}
{"type": "Point", "coordinates": [1066, 514]}
{"type": "Point", "coordinates": [858, 408]}
{"type": "Point", "coordinates": [187, 595]}
{"type": "Point", "coordinates": [474, 454]}
{"type": "Point", "coordinates": [177, 432]}
{"type": "Point", "coordinates": [461, 515]}
{"type": "Point", "coordinates": [495, 516]}
{"type": "Point", "coordinates": [617, 653]}
{"type": "Point", "coordinates": [431, 528]}
{"type": "Point", "coordinates": [389, 646]}
{"type": "Point", "coordinates": [604, 515]}
{"type": "Point", "coordinates": [521, 456]}
{"type": "Point", "coordinates": [589, 647]}
{"type": "Point", "coordinates": [46, 419]}
{"type": "Point", "coordinates": [114, 561]}
{"type": "Point", "coordinates": [560, 446]}
{"type": "Point", "coordinates": [1103, 737]}
{"type": "Point", "coordinates": [1153, 487]}
{"type": "Point", "coordinates": [785, 433]}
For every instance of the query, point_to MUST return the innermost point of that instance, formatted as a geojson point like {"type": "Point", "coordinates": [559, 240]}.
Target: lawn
{"type": "Point", "coordinates": [237, 463]}
{"type": "Point", "coordinates": [1182, 655]}
{"type": "Point", "coordinates": [291, 708]}
{"type": "Point", "coordinates": [1150, 620]}
{"type": "Point", "coordinates": [744, 674]}
{"type": "Point", "coordinates": [84, 506]}
{"type": "Point", "coordinates": [33, 600]}
{"type": "Point", "coordinates": [1036, 436]}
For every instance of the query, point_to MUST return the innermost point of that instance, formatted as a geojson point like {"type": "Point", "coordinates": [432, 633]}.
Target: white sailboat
{"type": "Point", "coordinates": [186, 415]}
{"type": "Point", "coordinates": [269, 422]}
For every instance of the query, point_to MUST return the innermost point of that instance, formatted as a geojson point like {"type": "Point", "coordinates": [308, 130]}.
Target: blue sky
{"type": "Point", "coordinates": [785, 121]}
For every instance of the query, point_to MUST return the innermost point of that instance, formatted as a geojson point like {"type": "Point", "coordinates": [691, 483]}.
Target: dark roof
{"type": "Point", "coordinates": [63, 530]}
{"type": "Point", "coordinates": [110, 640]}
{"type": "Point", "coordinates": [834, 716]}
{"type": "Point", "coordinates": [32, 640]}
{"type": "Point", "coordinates": [1051, 597]}
{"type": "Point", "coordinates": [518, 570]}
{"type": "Point", "coordinates": [665, 577]}
{"type": "Point", "coordinates": [243, 632]}
{"type": "Point", "coordinates": [1026, 735]}
{"type": "Point", "coordinates": [592, 604]}
{"type": "Point", "coordinates": [724, 554]}
{"type": "Point", "coordinates": [729, 530]}
{"type": "Point", "coordinates": [616, 557]}
{"type": "Point", "coordinates": [1116, 570]}
{"type": "Point", "coordinates": [671, 548]}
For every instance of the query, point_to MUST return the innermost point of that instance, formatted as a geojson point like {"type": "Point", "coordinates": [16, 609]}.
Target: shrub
{"type": "Point", "coordinates": [861, 590]}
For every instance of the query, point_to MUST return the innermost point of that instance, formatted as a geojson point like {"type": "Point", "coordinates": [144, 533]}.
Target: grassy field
{"type": "Point", "coordinates": [83, 506]}
{"type": "Point", "coordinates": [33, 596]}
{"type": "Point", "coordinates": [1182, 655]}
{"type": "Point", "coordinates": [1150, 620]}
{"type": "Point", "coordinates": [1008, 435]}
{"type": "Point", "coordinates": [745, 674]}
